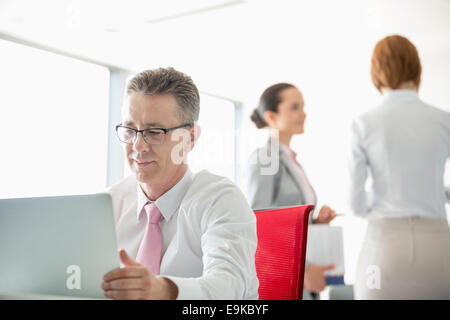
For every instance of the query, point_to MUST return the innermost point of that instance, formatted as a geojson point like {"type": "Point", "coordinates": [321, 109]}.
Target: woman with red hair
{"type": "Point", "coordinates": [404, 145]}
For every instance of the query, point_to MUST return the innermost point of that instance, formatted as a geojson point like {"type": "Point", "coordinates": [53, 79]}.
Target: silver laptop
{"type": "Point", "coordinates": [56, 246]}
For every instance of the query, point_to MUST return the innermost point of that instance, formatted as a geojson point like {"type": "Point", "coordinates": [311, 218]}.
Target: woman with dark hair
{"type": "Point", "coordinates": [275, 177]}
{"type": "Point", "coordinates": [404, 145]}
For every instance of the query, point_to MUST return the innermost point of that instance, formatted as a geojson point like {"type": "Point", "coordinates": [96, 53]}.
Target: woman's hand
{"type": "Point", "coordinates": [326, 214]}
{"type": "Point", "coordinates": [315, 277]}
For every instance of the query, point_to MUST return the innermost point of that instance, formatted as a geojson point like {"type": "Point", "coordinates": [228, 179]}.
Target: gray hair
{"type": "Point", "coordinates": [169, 81]}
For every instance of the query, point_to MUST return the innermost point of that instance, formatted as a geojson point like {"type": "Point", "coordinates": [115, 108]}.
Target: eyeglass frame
{"type": "Point", "coordinates": [165, 130]}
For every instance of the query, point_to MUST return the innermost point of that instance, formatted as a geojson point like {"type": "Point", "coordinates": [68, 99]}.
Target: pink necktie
{"type": "Point", "coordinates": [149, 253]}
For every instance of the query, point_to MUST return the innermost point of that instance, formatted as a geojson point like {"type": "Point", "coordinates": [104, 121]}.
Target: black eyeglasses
{"type": "Point", "coordinates": [152, 136]}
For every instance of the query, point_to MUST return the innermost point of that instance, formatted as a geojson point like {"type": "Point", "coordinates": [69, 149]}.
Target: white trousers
{"type": "Point", "coordinates": [406, 258]}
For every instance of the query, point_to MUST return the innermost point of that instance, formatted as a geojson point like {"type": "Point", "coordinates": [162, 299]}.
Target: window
{"type": "Point", "coordinates": [215, 149]}
{"type": "Point", "coordinates": [54, 118]}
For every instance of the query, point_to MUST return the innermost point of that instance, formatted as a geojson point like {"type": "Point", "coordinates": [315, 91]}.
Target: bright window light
{"type": "Point", "coordinates": [215, 149]}
{"type": "Point", "coordinates": [54, 117]}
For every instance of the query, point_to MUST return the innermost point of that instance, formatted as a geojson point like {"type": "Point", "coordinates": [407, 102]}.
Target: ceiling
{"type": "Point", "coordinates": [225, 45]}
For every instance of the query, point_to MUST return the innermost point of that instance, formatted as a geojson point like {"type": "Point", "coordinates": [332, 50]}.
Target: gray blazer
{"type": "Point", "coordinates": [277, 187]}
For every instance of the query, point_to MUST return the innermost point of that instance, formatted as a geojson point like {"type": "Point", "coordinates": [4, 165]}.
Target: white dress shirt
{"type": "Point", "coordinates": [208, 235]}
{"type": "Point", "coordinates": [404, 145]}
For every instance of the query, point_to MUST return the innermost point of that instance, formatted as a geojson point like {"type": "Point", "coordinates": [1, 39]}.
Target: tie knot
{"type": "Point", "coordinates": [153, 213]}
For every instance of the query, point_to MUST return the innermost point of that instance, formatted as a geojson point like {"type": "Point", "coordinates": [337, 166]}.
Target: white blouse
{"type": "Point", "coordinates": [403, 144]}
{"type": "Point", "coordinates": [309, 194]}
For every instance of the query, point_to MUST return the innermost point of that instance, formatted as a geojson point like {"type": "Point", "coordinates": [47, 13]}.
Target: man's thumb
{"type": "Point", "coordinates": [125, 258]}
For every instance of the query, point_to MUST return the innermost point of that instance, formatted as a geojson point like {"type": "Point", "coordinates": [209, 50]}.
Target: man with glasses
{"type": "Point", "coordinates": [183, 235]}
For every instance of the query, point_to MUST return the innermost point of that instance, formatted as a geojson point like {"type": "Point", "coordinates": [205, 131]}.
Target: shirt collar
{"type": "Point", "coordinates": [288, 150]}
{"type": "Point", "coordinates": [169, 201]}
{"type": "Point", "coordinates": [400, 94]}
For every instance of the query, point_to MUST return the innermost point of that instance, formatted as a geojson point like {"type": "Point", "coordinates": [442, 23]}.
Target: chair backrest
{"type": "Point", "coordinates": [281, 251]}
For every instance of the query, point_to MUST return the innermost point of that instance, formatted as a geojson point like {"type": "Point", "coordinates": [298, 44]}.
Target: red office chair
{"type": "Point", "coordinates": [281, 251]}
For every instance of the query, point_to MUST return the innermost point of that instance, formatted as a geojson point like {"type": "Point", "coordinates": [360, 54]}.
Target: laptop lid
{"type": "Point", "coordinates": [60, 246]}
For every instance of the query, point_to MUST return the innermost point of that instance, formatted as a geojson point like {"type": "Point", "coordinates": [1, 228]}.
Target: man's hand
{"type": "Point", "coordinates": [315, 277]}
{"type": "Point", "coordinates": [326, 214]}
{"type": "Point", "coordinates": [135, 281]}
